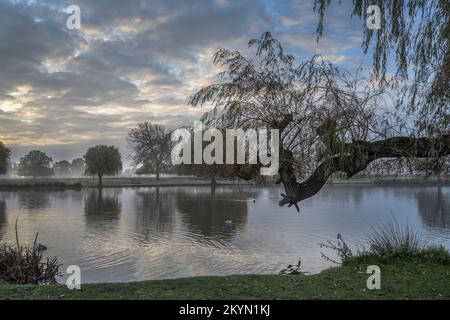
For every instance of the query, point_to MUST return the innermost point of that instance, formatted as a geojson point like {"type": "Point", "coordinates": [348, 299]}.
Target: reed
{"type": "Point", "coordinates": [24, 265]}
{"type": "Point", "coordinates": [389, 242]}
{"type": "Point", "coordinates": [392, 240]}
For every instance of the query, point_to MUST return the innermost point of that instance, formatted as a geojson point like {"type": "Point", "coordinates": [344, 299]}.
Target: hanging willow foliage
{"type": "Point", "coordinates": [415, 34]}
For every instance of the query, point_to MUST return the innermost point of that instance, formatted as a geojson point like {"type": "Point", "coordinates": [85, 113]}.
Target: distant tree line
{"type": "Point", "coordinates": [98, 161]}
{"type": "Point", "coordinates": [38, 164]}
{"type": "Point", "coordinates": [151, 154]}
{"type": "Point", "coordinates": [150, 143]}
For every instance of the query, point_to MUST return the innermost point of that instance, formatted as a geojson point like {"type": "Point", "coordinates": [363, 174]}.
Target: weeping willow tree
{"type": "Point", "coordinates": [330, 120]}
{"type": "Point", "coordinates": [414, 34]}
{"type": "Point", "coordinates": [4, 158]}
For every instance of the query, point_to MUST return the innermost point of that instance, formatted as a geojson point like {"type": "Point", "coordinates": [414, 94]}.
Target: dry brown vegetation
{"type": "Point", "coordinates": [24, 265]}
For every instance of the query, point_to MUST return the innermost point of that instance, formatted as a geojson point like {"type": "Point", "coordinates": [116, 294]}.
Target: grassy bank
{"type": "Point", "coordinates": [74, 183]}
{"type": "Point", "coordinates": [409, 278]}
{"type": "Point", "coordinates": [112, 182]}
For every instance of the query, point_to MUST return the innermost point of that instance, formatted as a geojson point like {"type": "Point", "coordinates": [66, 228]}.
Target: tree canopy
{"type": "Point", "coordinates": [35, 164]}
{"type": "Point", "coordinates": [77, 167]}
{"type": "Point", "coordinates": [62, 168]}
{"type": "Point", "coordinates": [103, 160]}
{"type": "Point", "coordinates": [331, 120]}
{"type": "Point", "coordinates": [4, 158]}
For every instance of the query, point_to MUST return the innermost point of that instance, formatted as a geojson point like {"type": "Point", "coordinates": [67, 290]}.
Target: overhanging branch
{"type": "Point", "coordinates": [355, 158]}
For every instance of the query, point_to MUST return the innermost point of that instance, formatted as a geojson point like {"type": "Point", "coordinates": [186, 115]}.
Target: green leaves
{"type": "Point", "coordinates": [103, 160]}
{"type": "Point", "coordinates": [4, 158]}
{"type": "Point", "coordinates": [35, 164]}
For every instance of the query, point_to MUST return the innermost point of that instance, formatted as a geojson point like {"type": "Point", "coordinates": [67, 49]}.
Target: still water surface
{"type": "Point", "coordinates": [133, 234]}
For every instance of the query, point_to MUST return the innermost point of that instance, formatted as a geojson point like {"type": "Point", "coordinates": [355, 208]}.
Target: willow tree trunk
{"type": "Point", "coordinates": [100, 181]}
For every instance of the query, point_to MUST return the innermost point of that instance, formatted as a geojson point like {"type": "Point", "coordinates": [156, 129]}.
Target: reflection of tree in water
{"type": "Point", "coordinates": [433, 203]}
{"type": "Point", "coordinates": [64, 195]}
{"type": "Point", "coordinates": [2, 217]}
{"type": "Point", "coordinates": [42, 199]}
{"type": "Point", "coordinates": [102, 207]}
{"type": "Point", "coordinates": [155, 211]}
{"type": "Point", "coordinates": [434, 207]}
{"type": "Point", "coordinates": [32, 200]}
{"type": "Point", "coordinates": [205, 212]}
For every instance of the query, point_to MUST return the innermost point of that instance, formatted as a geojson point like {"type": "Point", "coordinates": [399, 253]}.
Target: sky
{"type": "Point", "coordinates": [63, 90]}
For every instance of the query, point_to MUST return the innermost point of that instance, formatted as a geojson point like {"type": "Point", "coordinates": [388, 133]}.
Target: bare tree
{"type": "Point", "coordinates": [330, 120]}
{"type": "Point", "coordinates": [151, 146]}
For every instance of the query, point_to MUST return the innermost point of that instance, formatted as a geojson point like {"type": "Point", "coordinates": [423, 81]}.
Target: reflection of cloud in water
{"type": "Point", "coordinates": [161, 262]}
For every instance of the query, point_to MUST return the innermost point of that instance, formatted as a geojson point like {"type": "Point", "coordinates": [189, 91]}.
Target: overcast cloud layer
{"type": "Point", "coordinates": [63, 90]}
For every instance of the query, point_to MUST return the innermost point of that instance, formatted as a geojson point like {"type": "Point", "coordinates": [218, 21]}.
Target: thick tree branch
{"type": "Point", "coordinates": [354, 158]}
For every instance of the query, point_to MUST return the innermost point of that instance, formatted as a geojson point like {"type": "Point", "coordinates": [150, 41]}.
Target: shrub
{"type": "Point", "coordinates": [341, 249]}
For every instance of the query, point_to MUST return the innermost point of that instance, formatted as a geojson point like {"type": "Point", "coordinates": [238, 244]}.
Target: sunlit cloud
{"type": "Point", "coordinates": [132, 61]}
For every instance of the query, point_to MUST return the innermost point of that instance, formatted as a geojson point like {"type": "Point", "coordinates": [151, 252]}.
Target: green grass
{"type": "Point", "coordinates": [408, 278]}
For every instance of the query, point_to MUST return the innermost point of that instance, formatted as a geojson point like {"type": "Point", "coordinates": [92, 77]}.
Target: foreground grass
{"type": "Point", "coordinates": [400, 279]}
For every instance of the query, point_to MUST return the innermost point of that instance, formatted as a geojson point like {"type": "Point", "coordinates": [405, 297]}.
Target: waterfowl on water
{"type": "Point", "coordinates": [40, 247]}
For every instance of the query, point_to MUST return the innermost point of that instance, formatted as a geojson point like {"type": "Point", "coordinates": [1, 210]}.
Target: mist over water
{"type": "Point", "coordinates": [132, 234]}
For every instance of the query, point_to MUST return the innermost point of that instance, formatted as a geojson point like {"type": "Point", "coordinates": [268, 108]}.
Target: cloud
{"type": "Point", "coordinates": [63, 90]}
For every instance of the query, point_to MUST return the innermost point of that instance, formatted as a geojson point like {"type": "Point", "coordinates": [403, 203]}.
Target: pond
{"type": "Point", "coordinates": [133, 234]}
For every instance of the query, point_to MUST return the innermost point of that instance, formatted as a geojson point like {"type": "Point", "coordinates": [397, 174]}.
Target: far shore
{"type": "Point", "coordinates": [55, 183]}
{"type": "Point", "coordinates": [109, 182]}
